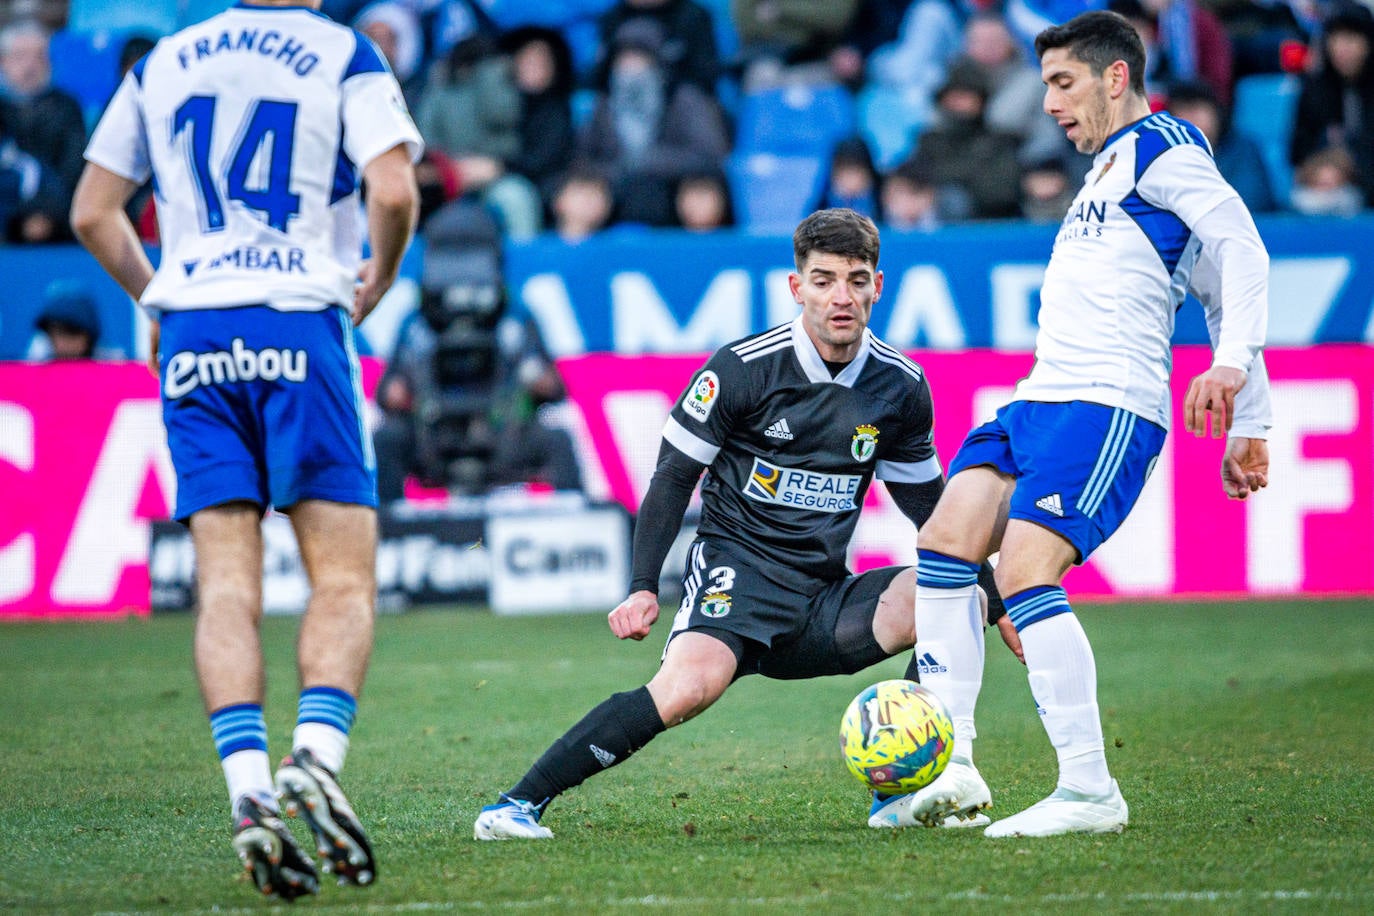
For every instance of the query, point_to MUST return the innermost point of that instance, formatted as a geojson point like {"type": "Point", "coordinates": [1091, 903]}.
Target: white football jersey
{"type": "Point", "coordinates": [255, 125]}
{"type": "Point", "coordinates": [1122, 265]}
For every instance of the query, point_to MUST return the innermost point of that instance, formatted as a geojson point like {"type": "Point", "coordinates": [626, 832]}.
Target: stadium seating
{"type": "Point", "coordinates": [891, 120]}
{"type": "Point", "coordinates": [1265, 106]}
{"type": "Point", "coordinates": [795, 120]}
{"type": "Point", "coordinates": [86, 66]}
{"type": "Point", "coordinates": [772, 192]}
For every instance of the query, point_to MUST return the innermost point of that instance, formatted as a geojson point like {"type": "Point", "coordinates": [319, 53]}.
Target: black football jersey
{"type": "Point", "coordinates": [791, 451]}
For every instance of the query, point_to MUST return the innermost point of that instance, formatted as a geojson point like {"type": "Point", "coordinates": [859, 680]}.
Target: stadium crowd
{"type": "Point", "coordinates": [598, 115]}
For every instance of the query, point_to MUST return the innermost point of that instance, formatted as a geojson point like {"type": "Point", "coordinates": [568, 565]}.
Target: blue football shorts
{"type": "Point", "coordinates": [1079, 466]}
{"type": "Point", "coordinates": [264, 406]}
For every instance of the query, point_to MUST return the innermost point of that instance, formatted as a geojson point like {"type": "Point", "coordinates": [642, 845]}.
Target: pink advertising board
{"type": "Point", "coordinates": [1311, 531]}
{"type": "Point", "coordinates": [84, 468]}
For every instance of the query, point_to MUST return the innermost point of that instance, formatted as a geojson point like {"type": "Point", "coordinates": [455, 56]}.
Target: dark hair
{"type": "Point", "coordinates": [838, 230]}
{"type": "Point", "coordinates": [1099, 39]}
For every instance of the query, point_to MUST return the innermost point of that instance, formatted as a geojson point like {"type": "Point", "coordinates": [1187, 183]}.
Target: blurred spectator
{"type": "Point", "coordinates": [916, 62]}
{"type": "Point", "coordinates": [1016, 94]}
{"type": "Point", "coordinates": [964, 155]}
{"type": "Point", "coordinates": [689, 40]}
{"type": "Point", "coordinates": [472, 114]}
{"type": "Point", "coordinates": [1238, 157]}
{"type": "Point", "coordinates": [1184, 42]}
{"type": "Point", "coordinates": [1326, 184]}
{"type": "Point", "coordinates": [910, 199]}
{"type": "Point", "coordinates": [1266, 36]}
{"type": "Point", "coordinates": [702, 202]}
{"type": "Point", "coordinates": [582, 204]}
{"type": "Point", "coordinates": [852, 180]}
{"type": "Point", "coordinates": [439, 182]}
{"type": "Point", "coordinates": [646, 133]}
{"type": "Point", "coordinates": [69, 325]}
{"type": "Point", "coordinates": [874, 24]}
{"type": "Point", "coordinates": [461, 392]}
{"type": "Point", "coordinates": [1046, 191]}
{"type": "Point", "coordinates": [44, 121]}
{"type": "Point", "coordinates": [789, 40]}
{"type": "Point", "coordinates": [1336, 105]}
{"type": "Point", "coordinates": [396, 29]}
{"type": "Point", "coordinates": [541, 66]}
{"type": "Point", "coordinates": [31, 199]}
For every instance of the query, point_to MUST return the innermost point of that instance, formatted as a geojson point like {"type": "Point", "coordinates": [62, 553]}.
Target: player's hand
{"type": "Point", "coordinates": [1011, 638]}
{"type": "Point", "coordinates": [1213, 393]}
{"type": "Point", "coordinates": [367, 292]}
{"type": "Point", "coordinates": [1245, 466]}
{"type": "Point", "coordinates": [633, 617]}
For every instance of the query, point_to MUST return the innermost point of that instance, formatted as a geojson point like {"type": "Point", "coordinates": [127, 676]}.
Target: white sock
{"type": "Point", "coordinates": [249, 773]}
{"type": "Point", "coordinates": [949, 653]}
{"type": "Point", "coordinates": [1063, 679]}
{"type": "Point", "coordinates": [327, 743]}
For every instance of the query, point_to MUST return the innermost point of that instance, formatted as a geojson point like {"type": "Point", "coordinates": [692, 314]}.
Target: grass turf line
{"type": "Point", "coordinates": [1239, 732]}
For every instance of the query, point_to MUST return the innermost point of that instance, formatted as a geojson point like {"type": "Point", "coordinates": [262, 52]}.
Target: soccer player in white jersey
{"type": "Point", "coordinates": [256, 126]}
{"type": "Point", "coordinates": [1058, 469]}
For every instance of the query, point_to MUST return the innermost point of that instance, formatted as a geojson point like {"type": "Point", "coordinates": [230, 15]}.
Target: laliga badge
{"type": "Point", "coordinates": [701, 397]}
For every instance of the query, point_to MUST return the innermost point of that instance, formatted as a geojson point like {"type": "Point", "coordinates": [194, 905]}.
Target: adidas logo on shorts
{"type": "Point", "coordinates": [780, 430]}
{"type": "Point", "coordinates": [1051, 504]}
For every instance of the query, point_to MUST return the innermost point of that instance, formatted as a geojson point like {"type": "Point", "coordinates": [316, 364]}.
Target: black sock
{"type": "Point", "coordinates": [912, 674]}
{"type": "Point", "coordinates": [607, 735]}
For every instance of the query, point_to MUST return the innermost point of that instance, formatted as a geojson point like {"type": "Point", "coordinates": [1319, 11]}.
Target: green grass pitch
{"type": "Point", "coordinates": [1242, 735]}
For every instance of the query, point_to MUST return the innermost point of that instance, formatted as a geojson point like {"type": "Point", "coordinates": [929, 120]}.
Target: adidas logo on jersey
{"type": "Point", "coordinates": [1051, 504]}
{"type": "Point", "coordinates": [603, 756]}
{"type": "Point", "coordinates": [780, 430]}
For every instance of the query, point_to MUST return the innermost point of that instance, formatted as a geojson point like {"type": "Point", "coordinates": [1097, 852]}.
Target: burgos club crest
{"type": "Point", "coordinates": [715, 604]}
{"type": "Point", "coordinates": [701, 397]}
{"type": "Point", "coordinates": [865, 442]}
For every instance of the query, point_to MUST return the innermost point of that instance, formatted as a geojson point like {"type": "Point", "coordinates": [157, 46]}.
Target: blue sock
{"type": "Point", "coordinates": [1037, 603]}
{"type": "Point", "coordinates": [324, 719]}
{"type": "Point", "coordinates": [238, 728]}
{"type": "Point", "coordinates": [240, 736]}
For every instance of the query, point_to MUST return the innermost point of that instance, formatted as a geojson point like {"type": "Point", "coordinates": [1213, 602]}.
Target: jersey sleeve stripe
{"type": "Point", "coordinates": [909, 471]}
{"type": "Point", "coordinates": [691, 445]}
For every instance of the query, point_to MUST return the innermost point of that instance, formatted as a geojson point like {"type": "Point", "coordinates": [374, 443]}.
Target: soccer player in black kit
{"type": "Point", "coordinates": [792, 425]}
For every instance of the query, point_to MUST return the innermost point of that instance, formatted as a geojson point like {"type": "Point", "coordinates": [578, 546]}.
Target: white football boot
{"type": "Point", "coordinates": [510, 819]}
{"type": "Point", "coordinates": [952, 800]}
{"type": "Point", "coordinates": [1066, 812]}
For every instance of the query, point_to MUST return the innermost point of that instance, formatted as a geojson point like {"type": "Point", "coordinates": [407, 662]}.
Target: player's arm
{"type": "Point", "coordinates": [393, 202]}
{"type": "Point", "coordinates": [100, 223]}
{"type": "Point", "coordinates": [656, 527]}
{"type": "Point", "coordinates": [1231, 281]}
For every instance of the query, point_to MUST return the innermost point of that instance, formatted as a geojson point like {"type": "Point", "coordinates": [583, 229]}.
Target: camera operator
{"type": "Point", "coordinates": [462, 391]}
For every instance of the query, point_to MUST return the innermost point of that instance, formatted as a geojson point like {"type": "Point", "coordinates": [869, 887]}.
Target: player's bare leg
{"type": "Point", "coordinates": [338, 544]}
{"type": "Point", "coordinates": [696, 671]}
{"type": "Point", "coordinates": [228, 658]}
{"type": "Point", "coordinates": [1063, 679]}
